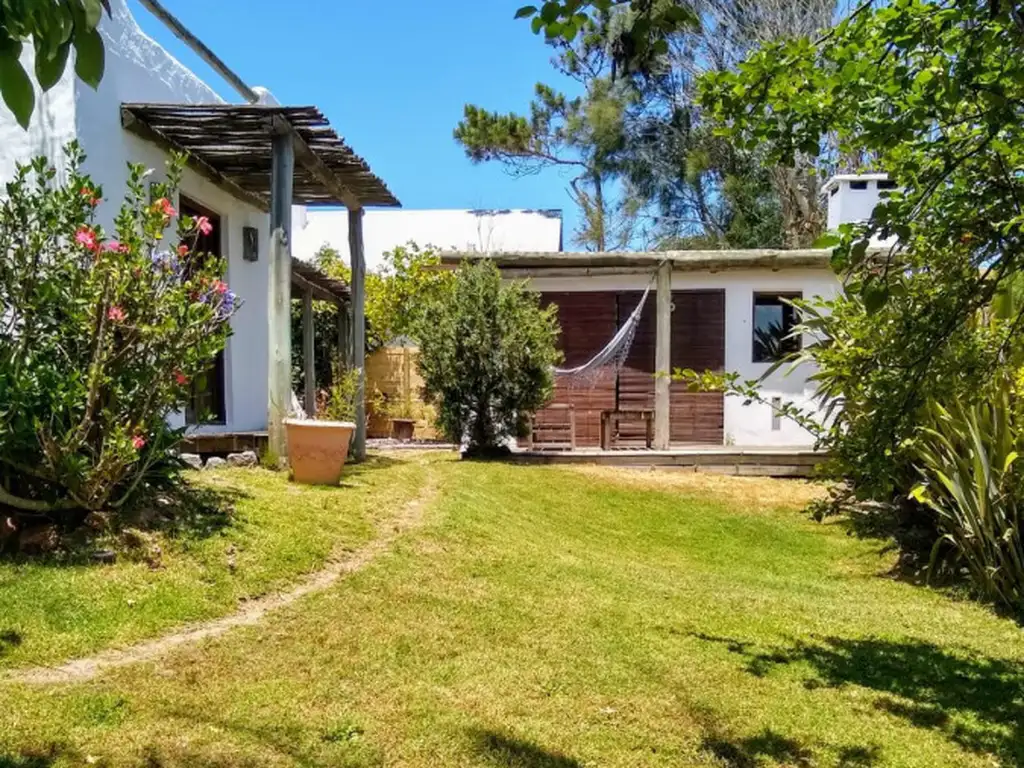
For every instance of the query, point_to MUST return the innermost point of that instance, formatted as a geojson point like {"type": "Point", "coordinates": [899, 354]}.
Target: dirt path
{"type": "Point", "coordinates": [410, 516]}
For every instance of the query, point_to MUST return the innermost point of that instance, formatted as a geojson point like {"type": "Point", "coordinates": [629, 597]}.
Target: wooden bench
{"type": "Point", "coordinates": [610, 421]}
{"type": "Point", "coordinates": [547, 435]}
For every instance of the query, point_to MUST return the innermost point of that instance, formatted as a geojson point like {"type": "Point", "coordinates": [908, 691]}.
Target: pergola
{"type": "Point", "coordinates": [273, 157]}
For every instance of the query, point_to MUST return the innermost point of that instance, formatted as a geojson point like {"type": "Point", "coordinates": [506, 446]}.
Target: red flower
{"type": "Point", "coordinates": [220, 287]}
{"type": "Point", "coordinates": [85, 236]}
{"type": "Point", "coordinates": [164, 206]}
{"type": "Point", "coordinates": [85, 192]}
{"type": "Point", "coordinates": [183, 250]}
{"type": "Point", "coordinates": [138, 442]}
{"type": "Point", "coordinates": [181, 378]}
{"type": "Point", "coordinates": [115, 313]}
{"type": "Point", "coordinates": [203, 225]}
{"type": "Point", "coordinates": [94, 201]}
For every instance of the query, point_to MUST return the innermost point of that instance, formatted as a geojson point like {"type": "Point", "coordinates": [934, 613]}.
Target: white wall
{"type": "Point", "coordinates": [384, 229]}
{"type": "Point", "coordinates": [745, 426]}
{"type": "Point", "coordinates": [51, 128]}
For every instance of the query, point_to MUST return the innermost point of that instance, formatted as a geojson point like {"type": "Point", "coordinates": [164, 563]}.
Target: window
{"type": "Point", "coordinates": [886, 184]}
{"type": "Point", "coordinates": [858, 185]}
{"type": "Point", "coordinates": [774, 319]}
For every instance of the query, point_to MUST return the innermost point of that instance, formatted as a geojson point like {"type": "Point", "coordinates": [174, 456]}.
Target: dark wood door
{"type": "Point", "coordinates": [208, 403]}
{"type": "Point", "coordinates": [588, 321]}
{"type": "Point", "coordinates": [698, 342]}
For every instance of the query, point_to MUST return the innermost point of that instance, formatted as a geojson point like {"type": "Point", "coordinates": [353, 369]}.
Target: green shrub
{"type": "Point", "coordinates": [968, 459]}
{"type": "Point", "coordinates": [338, 401]}
{"type": "Point", "coordinates": [100, 336]}
{"type": "Point", "coordinates": [487, 352]}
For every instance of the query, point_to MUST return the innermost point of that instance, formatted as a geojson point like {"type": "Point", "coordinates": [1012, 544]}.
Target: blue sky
{"type": "Point", "coordinates": [392, 78]}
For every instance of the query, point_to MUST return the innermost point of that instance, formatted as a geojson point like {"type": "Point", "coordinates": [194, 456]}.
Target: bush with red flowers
{"type": "Point", "coordinates": [101, 337]}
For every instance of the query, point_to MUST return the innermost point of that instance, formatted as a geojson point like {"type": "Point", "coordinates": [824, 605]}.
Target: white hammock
{"type": "Point", "coordinates": [615, 351]}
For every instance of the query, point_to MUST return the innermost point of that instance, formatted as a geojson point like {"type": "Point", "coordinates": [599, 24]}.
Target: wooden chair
{"type": "Point", "coordinates": [610, 421]}
{"type": "Point", "coordinates": [547, 435]}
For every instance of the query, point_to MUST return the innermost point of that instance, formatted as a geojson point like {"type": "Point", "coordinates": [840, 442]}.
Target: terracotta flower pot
{"type": "Point", "coordinates": [317, 450]}
{"type": "Point", "coordinates": [402, 429]}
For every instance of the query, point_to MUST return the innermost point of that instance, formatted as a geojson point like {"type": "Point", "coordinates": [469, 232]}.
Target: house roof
{"type": "Point", "coordinates": [232, 143]}
{"type": "Point", "coordinates": [694, 261]}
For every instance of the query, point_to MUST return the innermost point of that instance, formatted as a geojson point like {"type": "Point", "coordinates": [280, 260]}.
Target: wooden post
{"type": "Point", "coordinates": [355, 247]}
{"type": "Point", "coordinates": [279, 314]}
{"type": "Point", "coordinates": [663, 360]}
{"type": "Point", "coordinates": [309, 353]}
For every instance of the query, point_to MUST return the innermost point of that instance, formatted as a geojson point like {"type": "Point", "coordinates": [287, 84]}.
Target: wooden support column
{"type": "Point", "coordinates": [279, 306]}
{"type": "Point", "coordinates": [355, 247]}
{"type": "Point", "coordinates": [309, 353]}
{"type": "Point", "coordinates": [663, 359]}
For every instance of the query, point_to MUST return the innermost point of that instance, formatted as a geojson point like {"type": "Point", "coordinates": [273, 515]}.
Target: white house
{"type": "Point", "coordinates": [147, 104]}
{"type": "Point", "coordinates": [707, 310]}
{"type": "Point", "coordinates": [487, 230]}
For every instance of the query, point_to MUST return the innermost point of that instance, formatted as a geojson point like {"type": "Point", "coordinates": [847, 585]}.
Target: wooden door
{"type": "Point", "coordinates": [698, 342]}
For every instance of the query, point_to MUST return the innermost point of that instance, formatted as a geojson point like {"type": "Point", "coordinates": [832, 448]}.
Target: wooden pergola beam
{"type": "Point", "coordinates": [312, 163]}
{"type": "Point", "coordinates": [306, 286]}
{"type": "Point", "coordinates": [147, 132]}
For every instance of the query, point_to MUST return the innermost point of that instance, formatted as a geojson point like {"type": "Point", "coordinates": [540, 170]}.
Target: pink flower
{"type": "Point", "coordinates": [181, 378]}
{"type": "Point", "coordinates": [115, 314]}
{"type": "Point", "coordinates": [138, 442]}
{"type": "Point", "coordinates": [115, 247]}
{"type": "Point", "coordinates": [94, 201]}
{"type": "Point", "coordinates": [183, 250]}
{"type": "Point", "coordinates": [164, 206]}
{"type": "Point", "coordinates": [85, 192]}
{"type": "Point", "coordinates": [220, 287]}
{"type": "Point", "coordinates": [203, 225]}
{"type": "Point", "coordinates": [86, 237]}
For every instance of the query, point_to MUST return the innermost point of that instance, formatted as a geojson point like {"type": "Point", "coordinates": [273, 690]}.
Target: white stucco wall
{"type": "Point", "coordinates": [458, 230]}
{"type": "Point", "coordinates": [51, 128]}
{"type": "Point", "coordinates": [745, 426]}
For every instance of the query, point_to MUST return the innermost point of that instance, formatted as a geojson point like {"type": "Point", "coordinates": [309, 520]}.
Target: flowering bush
{"type": "Point", "coordinates": [100, 335]}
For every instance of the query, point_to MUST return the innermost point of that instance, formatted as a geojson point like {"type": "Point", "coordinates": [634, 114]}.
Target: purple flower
{"type": "Point", "coordinates": [227, 305]}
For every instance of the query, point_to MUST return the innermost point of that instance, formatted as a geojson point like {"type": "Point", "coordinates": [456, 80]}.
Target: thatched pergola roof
{"type": "Point", "coordinates": [232, 144]}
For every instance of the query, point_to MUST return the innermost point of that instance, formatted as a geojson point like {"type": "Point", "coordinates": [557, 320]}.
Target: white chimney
{"type": "Point", "coordinates": [852, 198]}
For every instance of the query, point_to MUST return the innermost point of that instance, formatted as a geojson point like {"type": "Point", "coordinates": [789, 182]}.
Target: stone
{"type": "Point", "coordinates": [243, 459]}
{"type": "Point", "coordinates": [40, 539]}
{"type": "Point", "coordinates": [215, 462]}
{"type": "Point", "coordinates": [104, 556]}
{"type": "Point", "coordinates": [193, 460]}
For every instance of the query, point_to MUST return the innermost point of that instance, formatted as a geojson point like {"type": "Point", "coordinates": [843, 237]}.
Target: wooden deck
{"type": "Point", "coordinates": [727, 460]}
{"type": "Point", "coordinates": [224, 443]}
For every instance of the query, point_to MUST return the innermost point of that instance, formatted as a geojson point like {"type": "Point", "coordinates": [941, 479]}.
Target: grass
{"type": "Point", "coordinates": [551, 617]}
{"type": "Point", "coordinates": [255, 533]}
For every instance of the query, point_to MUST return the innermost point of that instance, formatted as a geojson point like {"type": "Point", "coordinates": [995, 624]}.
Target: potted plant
{"type": "Point", "coordinates": [318, 448]}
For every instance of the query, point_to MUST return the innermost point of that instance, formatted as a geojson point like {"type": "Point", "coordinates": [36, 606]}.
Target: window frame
{"type": "Point", "coordinates": [789, 320]}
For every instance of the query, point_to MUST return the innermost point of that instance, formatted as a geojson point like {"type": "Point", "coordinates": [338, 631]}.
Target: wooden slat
{"type": "Point", "coordinates": [698, 342]}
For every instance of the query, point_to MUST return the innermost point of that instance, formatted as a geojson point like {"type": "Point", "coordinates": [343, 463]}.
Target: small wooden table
{"type": "Point", "coordinates": [610, 421]}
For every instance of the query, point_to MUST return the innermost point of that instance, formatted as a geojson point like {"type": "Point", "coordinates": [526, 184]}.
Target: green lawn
{"type": "Point", "coordinates": [556, 617]}
{"type": "Point", "coordinates": [255, 533]}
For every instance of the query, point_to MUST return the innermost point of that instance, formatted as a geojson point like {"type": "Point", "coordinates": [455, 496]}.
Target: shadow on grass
{"type": "Point", "coordinates": [747, 752]}
{"type": "Point", "coordinates": [186, 511]}
{"type": "Point", "coordinates": [9, 640]}
{"type": "Point", "coordinates": [500, 749]}
{"type": "Point", "coordinates": [975, 701]}
{"type": "Point", "coordinates": [38, 758]}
